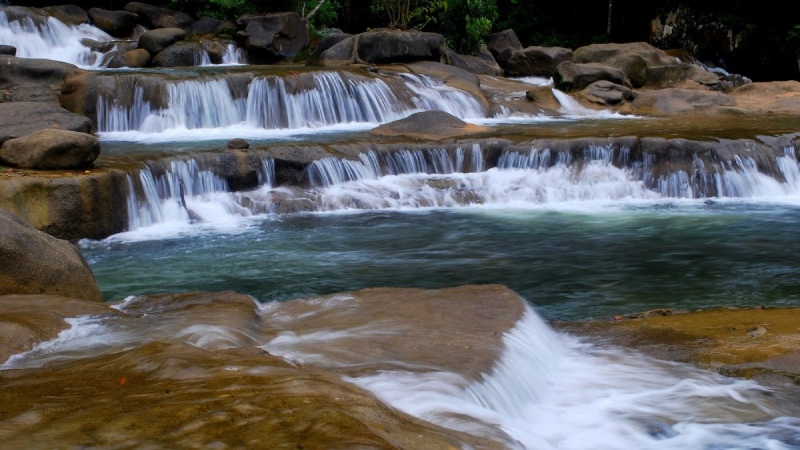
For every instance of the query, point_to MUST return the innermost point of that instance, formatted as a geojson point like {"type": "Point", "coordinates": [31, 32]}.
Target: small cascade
{"type": "Point", "coordinates": [741, 178]}
{"type": "Point", "coordinates": [36, 36]}
{"type": "Point", "coordinates": [233, 56]}
{"type": "Point", "coordinates": [252, 106]}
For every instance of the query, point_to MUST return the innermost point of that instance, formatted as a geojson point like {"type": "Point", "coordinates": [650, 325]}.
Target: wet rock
{"type": "Point", "coordinates": [536, 61]}
{"type": "Point", "coordinates": [27, 71]}
{"type": "Point", "coordinates": [154, 41]}
{"type": "Point", "coordinates": [27, 320]}
{"type": "Point", "coordinates": [8, 50]}
{"type": "Point", "coordinates": [68, 205]}
{"type": "Point", "coordinates": [574, 77]}
{"type": "Point", "coordinates": [227, 27]}
{"type": "Point", "coordinates": [36, 263]}
{"type": "Point", "coordinates": [51, 149]}
{"type": "Point", "coordinates": [137, 58]}
{"type": "Point", "coordinates": [155, 17]}
{"type": "Point", "coordinates": [674, 101]}
{"type": "Point", "coordinates": [503, 45]}
{"type": "Point", "coordinates": [238, 144]}
{"type": "Point", "coordinates": [273, 37]}
{"type": "Point", "coordinates": [607, 93]}
{"type": "Point", "coordinates": [180, 54]}
{"type": "Point", "coordinates": [116, 23]}
{"type": "Point", "coordinates": [632, 58]}
{"type": "Point", "coordinates": [757, 331]}
{"type": "Point", "coordinates": [69, 14]}
{"type": "Point", "coordinates": [21, 118]}
{"type": "Point", "coordinates": [429, 125]}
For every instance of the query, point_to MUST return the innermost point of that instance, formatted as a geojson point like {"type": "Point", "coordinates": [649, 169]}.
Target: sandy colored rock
{"type": "Point", "coordinates": [779, 97]}
{"type": "Point", "coordinates": [36, 263]}
{"type": "Point", "coordinates": [430, 125]}
{"type": "Point", "coordinates": [665, 102]}
{"type": "Point", "coordinates": [50, 149]}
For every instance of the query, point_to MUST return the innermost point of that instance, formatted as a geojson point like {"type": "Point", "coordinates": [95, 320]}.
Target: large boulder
{"type": "Point", "coordinates": [428, 125]}
{"type": "Point", "coordinates": [536, 61]}
{"type": "Point", "coordinates": [180, 54]}
{"type": "Point", "coordinates": [137, 58]}
{"type": "Point", "coordinates": [673, 101]}
{"type": "Point", "coordinates": [205, 25]}
{"type": "Point", "coordinates": [69, 14]}
{"type": "Point", "coordinates": [778, 97]}
{"type": "Point", "coordinates": [155, 17]}
{"type": "Point", "coordinates": [632, 58]}
{"type": "Point", "coordinates": [21, 118]}
{"type": "Point", "coordinates": [36, 263]}
{"type": "Point", "coordinates": [273, 37]}
{"type": "Point", "coordinates": [503, 45]}
{"type": "Point", "coordinates": [472, 64]}
{"type": "Point", "coordinates": [154, 41]}
{"type": "Point", "coordinates": [384, 47]}
{"type": "Point", "coordinates": [51, 149]}
{"type": "Point", "coordinates": [574, 77]}
{"type": "Point", "coordinates": [115, 23]}
{"type": "Point", "coordinates": [343, 55]}
{"type": "Point", "coordinates": [607, 93]}
{"type": "Point", "coordinates": [27, 71]}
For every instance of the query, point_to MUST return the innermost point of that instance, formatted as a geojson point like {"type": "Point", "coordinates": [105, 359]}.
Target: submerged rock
{"type": "Point", "coordinates": [36, 263]}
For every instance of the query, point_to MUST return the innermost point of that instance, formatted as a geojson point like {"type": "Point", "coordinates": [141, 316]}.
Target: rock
{"type": "Point", "coordinates": [239, 144]}
{"type": "Point", "coordinates": [502, 45]}
{"type": "Point", "coordinates": [27, 320]}
{"type": "Point", "coordinates": [21, 118]}
{"type": "Point", "coordinates": [8, 50]}
{"type": "Point", "coordinates": [206, 25]}
{"type": "Point", "coordinates": [341, 56]}
{"type": "Point", "coordinates": [386, 47]}
{"type": "Point", "coordinates": [215, 49]}
{"type": "Point", "coordinates": [155, 17]}
{"type": "Point", "coordinates": [68, 205]}
{"type": "Point", "coordinates": [116, 23]}
{"type": "Point", "coordinates": [452, 76]}
{"type": "Point", "coordinates": [428, 125]}
{"type": "Point", "coordinates": [757, 331]}
{"type": "Point", "coordinates": [472, 64]}
{"type": "Point", "coordinates": [137, 58]}
{"type": "Point", "coordinates": [69, 14]}
{"type": "Point", "coordinates": [536, 61]}
{"type": "Point", "coordinates": [51, 149]}
{"type": "Point", "coordinates": [632, 58]}
{"type": "Point", "coordinates": [273, 37]}
{"type": "Point", "coordinates": [26, 71]}
{"type": "Point", "coordinates": [778, 97]}
{"type": "Point", "coordinates": [180, 54]}
{"type": "Point", "coordinates": [36, 263]}
{"type": "Point", "coordinates": [226, 27]}
{"type": "Point", "coordinates": [607, 93]}
{"type": "Point", "coordinates": [574, 77]}
{"type": "Point", "coordinates": [674, 101]}
{"type": "Point", "coordinates": [154, 41]}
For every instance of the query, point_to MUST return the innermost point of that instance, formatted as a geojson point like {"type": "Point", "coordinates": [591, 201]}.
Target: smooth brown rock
{"type": "Point", "coordinates": [574, 77]}
{"type": "Point", "coordinates": [632, 58]}
{"type": "Point", "coordinates": [180, 54]}
{"type": "Point", "coordinates": [673, 101]}
{"type": "Point", "coordinates": [22, 118]}
{"type": "Point", "coordinates": [536, 61]}
{"type": "Point", "coordinates": [116, 23]}
{"type": "Point", "coordinates": [607, 93]}
{"type": "Point", "coordinates": [50, 149]}
{"type": "Point", "coordinates": [36, 263]}
{"type": "Point", "coordinates": [778, 97]}
{"type": "Point", "coordinates": [430, 125]}
{"type": "Point", "coordinates": [156, 40]}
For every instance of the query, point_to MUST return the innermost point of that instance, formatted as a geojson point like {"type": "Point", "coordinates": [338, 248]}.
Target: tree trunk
{"type": "Point", "coordinates": [314, 11]}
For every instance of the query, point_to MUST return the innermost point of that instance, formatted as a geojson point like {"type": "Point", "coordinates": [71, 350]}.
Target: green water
{"type": "Point", "coordinates": [569, 265]}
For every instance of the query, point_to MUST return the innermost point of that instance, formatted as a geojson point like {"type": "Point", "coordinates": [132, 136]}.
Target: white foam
{"type": "Point", "coordinates": [553, 392]}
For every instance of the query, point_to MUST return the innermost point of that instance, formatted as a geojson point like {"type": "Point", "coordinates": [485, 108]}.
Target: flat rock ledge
{"type": "Point", "coordinates": [429, 125]}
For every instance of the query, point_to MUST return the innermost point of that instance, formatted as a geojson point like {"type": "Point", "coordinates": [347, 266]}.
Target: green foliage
{"type": "Point", "coordinates": [465, 22]}
{"type": "Point", "coordinates": [405, 14]}
{"type": "Point", "coordinates": [218, 9]}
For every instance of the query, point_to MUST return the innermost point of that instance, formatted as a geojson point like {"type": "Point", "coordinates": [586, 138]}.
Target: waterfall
{"type": "Point", "coordinates": [49, 38]}
{"type": "Point", "coordinates": [305, 101]}
{"type": "Point", "coordinates": [741, 178]}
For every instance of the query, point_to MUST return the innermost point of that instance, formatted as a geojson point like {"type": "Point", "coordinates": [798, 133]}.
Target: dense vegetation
{"type": "Point", "coordinates": [770, 28]}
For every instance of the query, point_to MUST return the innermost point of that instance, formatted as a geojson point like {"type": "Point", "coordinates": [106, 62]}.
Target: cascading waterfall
{"type": "Point", "coordinates": [551, 391]}
{"type": "Point", "coordinates": [49, 38]}
{"type": "Point", "coordinates": [444, 177]}
{"type": "Point", "coordinates": [296, 102]}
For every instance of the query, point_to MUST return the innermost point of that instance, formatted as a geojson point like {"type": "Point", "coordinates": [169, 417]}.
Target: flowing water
{"type": "Point", "coordinates": [586, 234]}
